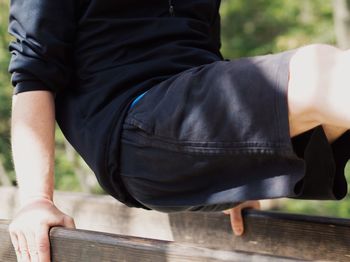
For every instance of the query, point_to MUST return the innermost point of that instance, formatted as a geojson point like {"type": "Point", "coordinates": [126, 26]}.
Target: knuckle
{"type": "Point", "coordinates": [43, 243]}
{"type": "Point", "coordinates": [237, 218]}
{"type": "Point", "coordinates": [23, 250]}
{"type": "Point", "coordinates": [43, 223]}
{"type": "Point", "coordinates": [69, 221]}
{"type": "Point", "coordinates": [237, 222]}
{"type": "Point", "coordinates": [32, 251]}
{"type": "Point", "coordinates": [237, 212]}
{"type": "Point", "coordinates": [43, 247]}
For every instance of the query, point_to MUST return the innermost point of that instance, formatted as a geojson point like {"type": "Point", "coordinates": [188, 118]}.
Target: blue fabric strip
{"type": "Point", "coordinates": [137, 99]}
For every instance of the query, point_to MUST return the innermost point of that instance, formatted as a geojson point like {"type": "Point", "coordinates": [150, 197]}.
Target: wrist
{"type": "Point", "coordinates": [24, 201]}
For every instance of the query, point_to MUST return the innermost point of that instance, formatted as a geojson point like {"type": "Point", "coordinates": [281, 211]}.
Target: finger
{"type": "Point", "coordinates": [257, 205]}
{"type": "Point", "coordinates": [237, 221]}
{"type": "Point", "coordinates": [69, 222]}
{"type": "Point", "coordinates": [43, 244]}
{"type": "Point", "coordinates": [32, 248]}
{"type": "Point", "coordinates": [227, 211]}
{"type": "Point", "coordinates": [23, 248]}
{"type": "Point", "coordinates": [15, 244]}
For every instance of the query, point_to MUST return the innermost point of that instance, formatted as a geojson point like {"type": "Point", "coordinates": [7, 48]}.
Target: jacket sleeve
{"type": "Point", "coordinates": [41, 55]}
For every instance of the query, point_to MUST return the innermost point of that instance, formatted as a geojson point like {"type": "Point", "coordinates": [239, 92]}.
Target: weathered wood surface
{"type": "Point", "coordinates": [298, 236]}
{"type": "Point", "coordinates": [81, 245]}
{"type": "Point", "coordinates": [208, 237]}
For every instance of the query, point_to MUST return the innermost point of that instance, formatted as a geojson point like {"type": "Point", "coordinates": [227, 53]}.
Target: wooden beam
{"type": "Point", "coordinates": [81, 245]}
{"type": "Point", "coordinates": [298, 236]}
{"type": "Point", "coordinates": [208, 236]}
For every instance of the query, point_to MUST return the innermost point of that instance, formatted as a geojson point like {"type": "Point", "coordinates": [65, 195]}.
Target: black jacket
{"type": "Point", "coordinates": [97, 55]}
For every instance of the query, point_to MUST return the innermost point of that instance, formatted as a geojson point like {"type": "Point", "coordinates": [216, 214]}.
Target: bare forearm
{"type": "Point", "coordinates": [33, 124]}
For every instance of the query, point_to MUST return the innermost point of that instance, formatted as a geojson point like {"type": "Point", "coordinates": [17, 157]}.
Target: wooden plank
{"type": "Point", "coordinates": [299, 236]}
{"type": "Point", "coordinates": [81, 245]}
{"type": "Point", "coordinates": [303, 237]}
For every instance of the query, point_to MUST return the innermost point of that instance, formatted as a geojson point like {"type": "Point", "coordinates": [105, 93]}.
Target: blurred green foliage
{"type": "Point", "coordinates": [5, 91]}
{"type": "Point", "coordinates": [266, 26]}
{"type": "Point", "coordinates": [64, 178]}
{"type": "Point", "coordinates": [249, 28]}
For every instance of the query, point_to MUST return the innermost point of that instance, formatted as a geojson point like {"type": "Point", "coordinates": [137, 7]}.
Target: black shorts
{"type": "Point", "coordinates": [218, 134]}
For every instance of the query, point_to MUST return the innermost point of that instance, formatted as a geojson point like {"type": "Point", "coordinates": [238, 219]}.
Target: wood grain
{"type": "Point", "coordinates": [69, 245]}
{"type": "Point", "coordinates": [207, 237]}
{"type": "Point", "coordinates": [298, 236]}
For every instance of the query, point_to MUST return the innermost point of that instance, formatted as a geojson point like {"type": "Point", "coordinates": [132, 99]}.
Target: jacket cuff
{"type": "Point", "coordinates": [26, 86]}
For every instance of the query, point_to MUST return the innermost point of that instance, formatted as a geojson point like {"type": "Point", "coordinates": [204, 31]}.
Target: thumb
{"type": "Point", "coordinates": [68, 222]}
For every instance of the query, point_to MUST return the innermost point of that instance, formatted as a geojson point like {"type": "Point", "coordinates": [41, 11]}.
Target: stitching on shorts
{"type": "Point", "coordinates": [153, 137]}
{"type": "Point", "coordinates": [212, 148]}
{"type": "Point", "coordinates": [139, 125]}
{"type": "Point", "coordinates": [149, 135]}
